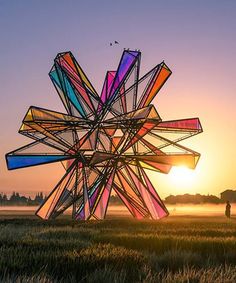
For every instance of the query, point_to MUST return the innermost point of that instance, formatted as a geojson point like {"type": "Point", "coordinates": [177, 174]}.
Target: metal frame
{"type": "Point", "coordinates": [105, 142]}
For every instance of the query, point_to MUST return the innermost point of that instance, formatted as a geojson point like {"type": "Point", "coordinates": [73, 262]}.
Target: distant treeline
{"type": "Point", "coordinates": [17, 199]}
{"type": "Point", "coordinates": [195, 199]}
{"type": "Point", "coordinates": [186, 198]}
{"type": "Point", "coordinates": [227, 195]}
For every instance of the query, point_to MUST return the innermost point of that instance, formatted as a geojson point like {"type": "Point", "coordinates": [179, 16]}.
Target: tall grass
{"type": "Point", "coordinates": [176, 249]}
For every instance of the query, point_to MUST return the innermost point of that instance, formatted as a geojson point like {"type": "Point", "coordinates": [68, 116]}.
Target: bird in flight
{"type": "Point", "coordinates": [115, 42]}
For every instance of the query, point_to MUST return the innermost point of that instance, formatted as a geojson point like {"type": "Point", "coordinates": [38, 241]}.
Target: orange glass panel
{"type": "Point", "coordinates": [155, 86]}
{"type": "Point", "coordinates": [188, 160]}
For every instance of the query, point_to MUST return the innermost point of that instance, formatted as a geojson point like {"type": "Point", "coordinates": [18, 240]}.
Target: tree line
{"type": "Point", "coordinates": [195, 199]}
{"type": "Point", "coordinates": [17, 199]}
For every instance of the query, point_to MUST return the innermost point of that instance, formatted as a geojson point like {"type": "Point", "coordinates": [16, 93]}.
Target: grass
{"type": "Point", "coordinates": [175, 249]}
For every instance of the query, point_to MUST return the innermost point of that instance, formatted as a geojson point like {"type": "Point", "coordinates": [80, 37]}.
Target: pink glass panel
{"type": "Point", "coordinates": [103, 202]}
{"type": "Point", "coordinates": [130, 207]}
{"type": "Point", "coordinates": [159, 205]}
{"type": "Point", "coordinates": [190, 124]}
{"type": "Point", "coordinates": [151, 203]}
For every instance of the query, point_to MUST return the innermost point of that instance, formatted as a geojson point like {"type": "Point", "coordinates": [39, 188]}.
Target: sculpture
{"type": "Point", "coordinates": [105, 142]}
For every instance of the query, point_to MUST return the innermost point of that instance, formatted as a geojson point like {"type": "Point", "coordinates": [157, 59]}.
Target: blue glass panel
{"type": "Point", "coordinates": [21, 161]}
{"type": "Point", "coordinates": [54, 77]}
{"type": "Point", "coordinates": [72, 96]}
{"type": "Point", "coordinates": [60, 77]}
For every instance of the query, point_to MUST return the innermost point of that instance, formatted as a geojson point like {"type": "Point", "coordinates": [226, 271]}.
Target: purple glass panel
{"type": "Point", "coordinates": [126, 63]}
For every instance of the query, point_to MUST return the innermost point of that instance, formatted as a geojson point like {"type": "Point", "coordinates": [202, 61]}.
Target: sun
{"type": "Point", "coordinates": [182, 176]}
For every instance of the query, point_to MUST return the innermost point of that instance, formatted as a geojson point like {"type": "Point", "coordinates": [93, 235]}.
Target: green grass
{"type": "Point", "coordinates": [175, 249]}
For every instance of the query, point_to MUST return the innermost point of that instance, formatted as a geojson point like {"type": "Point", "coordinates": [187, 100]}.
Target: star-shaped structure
{"type": "Point", "coordinates": [105, 142]}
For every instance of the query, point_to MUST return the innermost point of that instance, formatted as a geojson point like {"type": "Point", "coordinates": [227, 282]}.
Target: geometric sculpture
{"type": "Point", "coordinates": [105, 142]}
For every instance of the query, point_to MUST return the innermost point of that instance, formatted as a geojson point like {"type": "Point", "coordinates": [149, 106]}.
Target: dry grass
{"type": "Point", "coordinates": [176, 249]}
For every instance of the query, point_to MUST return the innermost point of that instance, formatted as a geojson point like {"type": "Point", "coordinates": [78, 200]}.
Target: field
{"type": "Point", "coordinates": [175, 249]}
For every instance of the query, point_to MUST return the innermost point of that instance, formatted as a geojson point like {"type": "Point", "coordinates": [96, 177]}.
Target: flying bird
{"type": "Point", "coordinates": [116, 42]}
{"type": "Point", "coordinates": [110, 44]}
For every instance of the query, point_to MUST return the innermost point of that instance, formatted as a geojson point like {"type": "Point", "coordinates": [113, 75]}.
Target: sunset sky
{"type": "Point", "coordinates": [197, 40]}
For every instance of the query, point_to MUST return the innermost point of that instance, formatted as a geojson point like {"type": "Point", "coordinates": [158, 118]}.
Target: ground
{"type": "Point", "coordinates": [174, 249]}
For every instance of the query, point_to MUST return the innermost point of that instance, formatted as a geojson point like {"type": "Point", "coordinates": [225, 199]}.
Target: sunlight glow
{"type": "Point", "coordinates": [182, 176]}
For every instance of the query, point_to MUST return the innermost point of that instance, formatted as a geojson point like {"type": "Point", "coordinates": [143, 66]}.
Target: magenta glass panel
{"type": "Point", "coordinates": [110, 79]}
{"type": "Point", "coordinates": [107, 85]}
{"type": "Point", "coordinates": [104, 90]}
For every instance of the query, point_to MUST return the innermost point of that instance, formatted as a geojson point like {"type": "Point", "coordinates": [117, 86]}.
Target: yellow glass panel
{"type": "Point", "coordinates": [24, 128]}
{"type": "Point", "coordinates": [29, 116]}
{"type": "Point", "coordinates": [153, 114]}
{"type": "Point", "coordinates": [84, 79]}
{"type": "Point", "coordinates": [146, 166]}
